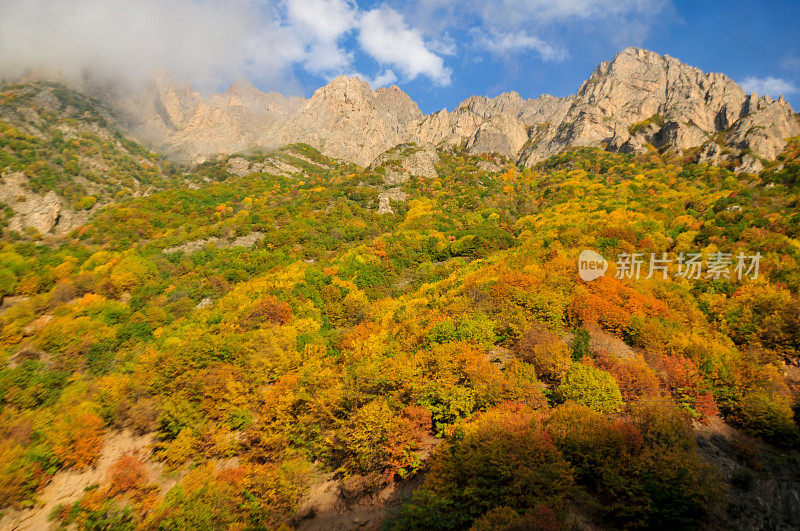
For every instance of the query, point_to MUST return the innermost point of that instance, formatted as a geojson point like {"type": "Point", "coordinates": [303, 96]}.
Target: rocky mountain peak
{"type": "Point", "coordinates": [243, 89]}
{"type": "Point", "coordinates": [245, 94]}
{"type": "Point", "coordinates": [641, 98]}
{"type": "Point", "coordinates": [344, 88]}
{"type": "Point", "coordinates": [352, 94]}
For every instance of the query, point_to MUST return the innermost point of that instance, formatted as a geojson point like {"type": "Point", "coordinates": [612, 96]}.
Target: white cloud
{"type": "Point", "coordinates": [444, 44]}
{"type": "Point", "coordinates": [513, 42]}
{"type": "Point", "coordinates": [381, 80]}
{"type": "Point", "coordinates": [318, 25]}
{"type": "Point", "coordinates": [769, 85]}
{"type": "Point", "coordinates": [210, 42]}
{"type": "Point", "coordinates": [327, 19]}
{"type": "Point", "coordinates": [558, 23]}
{"type": "Point", "coordinates": [200, 40]}
{"type": "Point", "coordinates": [385, 36]}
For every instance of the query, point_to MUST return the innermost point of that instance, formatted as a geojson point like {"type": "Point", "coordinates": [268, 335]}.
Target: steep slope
{"type": "Point", "coordinates": [638, 100]}
{"type": "Point", "coordinates": [346, 119]}
{"type": "Point", "coordinates": [73, 161]}
{"type": "Point", "coordinates": [176, 119]}
{"type": "Point", "coordinates": [490, 125]}
{"type": "Point", "coordinates": [274, 336]}
{"type": "Point", "coordinates": [61, 158]}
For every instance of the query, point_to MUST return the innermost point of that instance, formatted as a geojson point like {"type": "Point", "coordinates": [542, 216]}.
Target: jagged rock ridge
{"type": "Point", "coordinates": [636, 100]}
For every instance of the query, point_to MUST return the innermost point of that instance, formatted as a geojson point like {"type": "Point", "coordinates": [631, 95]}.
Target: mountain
{"type": "Point", "coordinates": [348, 120]}
{"type": "Point", "coordinates": [176, 119]}
{"type": "Point", "coordinates": [77, 156]}
{"type": "Point", "coordinates": [276, 338]}
{"type": "Point", "coordinates": [636, 101]}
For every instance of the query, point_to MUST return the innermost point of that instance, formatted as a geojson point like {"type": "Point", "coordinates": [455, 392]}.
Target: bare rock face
{"type": "Point", "coordinates": [344, 119]}
{"type": "Point", "coordinates": [540, 110]}
{"type": "Point", "coordinates": [274, 165]}
{"type": "Point", "coordinates": [489, 125]}
{"type": "Point", "coordinates": [44, 212]}
{"type": "Point", "coordinates": [347, 120]}
{"type": "Point", "coordinates": [711, 153]}
{"type": "Point", "coordinates": [422, 163]}
{"type": "Point", "coordinates": [399, 164]}
{"type": "Point", "coordinates": [387, 196]}
{"type": "Point", "coordinates": [500, 134]}
{"type": "Point", "coordinates": [220, 243]}
{"type": "Point", "coordinates": [443, 129]}
{"type": "Point", "coordinates": [174, 118]}
{"type": "Point", "coordinates": [765, 126]}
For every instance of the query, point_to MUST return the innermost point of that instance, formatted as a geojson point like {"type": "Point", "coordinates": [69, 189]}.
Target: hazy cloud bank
{"type": "Point", "coordinates": [209, 41]}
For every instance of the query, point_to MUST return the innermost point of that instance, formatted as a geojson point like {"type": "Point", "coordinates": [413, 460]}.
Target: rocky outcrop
{"type": "Point", "coordinates": [762, 129]}
{"type": "Point", "coordinates": [489, 125]}
{"type": "Point", "coordinates": [344, 119]}
{"type": "Point", "coordinates": [347, 120]}
{"type": "Point", "coordinates": [46, 212]}
{"type": "Point", "coordinates": [273, 164]}
{"type": "Point", "coordinates": [386, 197]}
{"type": "Point", "coordinates": [444, 129]}
{"type": "Point", "coordinates": [220, 243]}
{"type": "Point", "coordinates": [172, 117]}
{"type": "Point", "coordinates": [499, 134]}
{"type": "Point", "coordinates": [81, 162]}
{"type": "Point", "coordinates": [404, 161]}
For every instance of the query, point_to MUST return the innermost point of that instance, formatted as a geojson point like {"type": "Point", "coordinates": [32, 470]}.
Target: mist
{"type": "Point", "coordinates": [209, 43]}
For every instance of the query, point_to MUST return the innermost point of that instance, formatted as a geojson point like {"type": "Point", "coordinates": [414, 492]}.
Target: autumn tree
{"type": "Point", "coordinates": [544, 350]}
{"type": "Point", "coordinates": [590, 387]}
{"type": "Point", "coordinates": [502, 458]}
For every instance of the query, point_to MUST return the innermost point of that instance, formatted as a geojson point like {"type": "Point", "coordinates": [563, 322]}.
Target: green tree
{"type": "Point", "coordinates": [590, 386]}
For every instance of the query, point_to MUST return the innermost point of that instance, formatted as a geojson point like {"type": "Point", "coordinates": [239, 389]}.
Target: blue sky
{"type": "Point", "coordinates": [439, 51]}
{"type": "Point", "coordinates": [757, 42]}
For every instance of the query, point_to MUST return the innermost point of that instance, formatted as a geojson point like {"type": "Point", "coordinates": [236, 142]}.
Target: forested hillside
{"type": "Point", "coordinates": [270, 331]}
